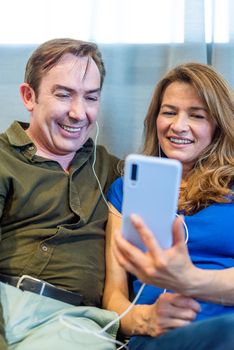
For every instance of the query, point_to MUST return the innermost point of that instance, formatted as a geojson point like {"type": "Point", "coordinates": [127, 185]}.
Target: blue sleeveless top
{"type": "Point", "coordinates": [210, 245]}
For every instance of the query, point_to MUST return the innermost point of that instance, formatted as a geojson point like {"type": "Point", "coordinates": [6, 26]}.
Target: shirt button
{"type": "Point", "coordinates": [31, 148]}
{"type": "Point", "coordinates": [44, 248]}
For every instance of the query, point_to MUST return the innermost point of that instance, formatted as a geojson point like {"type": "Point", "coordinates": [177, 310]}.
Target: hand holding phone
{"type": "Point", "coordinates": [151, 190]}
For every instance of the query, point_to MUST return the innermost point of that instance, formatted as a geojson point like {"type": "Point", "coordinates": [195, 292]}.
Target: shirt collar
{"type": "Point", "coordinates": [18, 138]}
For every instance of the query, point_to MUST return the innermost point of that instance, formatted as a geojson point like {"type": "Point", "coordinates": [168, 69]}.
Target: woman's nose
{"type": "Point", "coordinates": [180, 123]}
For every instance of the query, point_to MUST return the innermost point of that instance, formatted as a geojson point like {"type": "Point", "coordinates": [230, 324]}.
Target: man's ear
{"type": "Point", "coordinates": [28, 96]}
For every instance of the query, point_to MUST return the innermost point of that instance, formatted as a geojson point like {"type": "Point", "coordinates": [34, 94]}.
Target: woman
{"type": "Point", "coordinates": [191, 119]}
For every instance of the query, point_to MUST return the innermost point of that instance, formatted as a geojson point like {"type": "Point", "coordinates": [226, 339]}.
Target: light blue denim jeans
{"type": "Point", "coordinates": [34, 322]}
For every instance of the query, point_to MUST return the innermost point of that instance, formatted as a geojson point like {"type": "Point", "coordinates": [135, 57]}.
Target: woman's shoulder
{"type": "Point", "coordinates": [118, 183]}
{"type": "Point", "coordinates": [116, 187]}
{"type": "Point", "coordinates": [115, 193]}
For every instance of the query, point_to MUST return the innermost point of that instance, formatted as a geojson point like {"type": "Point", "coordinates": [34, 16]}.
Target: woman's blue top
{"type": "Point", "coordinates": [210, 245]}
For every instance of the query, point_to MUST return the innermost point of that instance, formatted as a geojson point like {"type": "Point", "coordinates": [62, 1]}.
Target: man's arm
{"type": "Point", "coordinates": [3, 344]}
{"type": "Point", "coordinates": [2, 203]}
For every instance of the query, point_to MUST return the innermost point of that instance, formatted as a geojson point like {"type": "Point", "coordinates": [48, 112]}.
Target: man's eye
{"type": "Point", "coordinates": [62, 95]}
{"type": "Point", "coordinates": [92, 98]}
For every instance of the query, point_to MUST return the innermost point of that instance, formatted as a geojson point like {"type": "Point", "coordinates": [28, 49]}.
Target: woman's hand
{"type": "Point", "coordinates": [170, 311]}
{"type": "Point", "coordinates": [166, 268]}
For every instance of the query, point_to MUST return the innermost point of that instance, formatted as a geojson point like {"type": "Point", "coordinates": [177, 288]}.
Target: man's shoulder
{"type": "Point", "coordinates": [107, 163]}
{"type": "Point", "coordinates": [14, 134]}
{"type": "Point", "coordinates": [103, 152]}
{"type": "Point", "coordinates": [104, 157]}
{"type": "Point", "coordinates": [4, 142]}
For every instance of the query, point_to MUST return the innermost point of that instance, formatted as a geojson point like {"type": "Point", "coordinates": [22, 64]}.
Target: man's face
{"type": "Point", "coordinates": [66, 107]}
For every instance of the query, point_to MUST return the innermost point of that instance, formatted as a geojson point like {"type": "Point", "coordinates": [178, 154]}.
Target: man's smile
{"type": "Point", "coordinates": [70, 128]}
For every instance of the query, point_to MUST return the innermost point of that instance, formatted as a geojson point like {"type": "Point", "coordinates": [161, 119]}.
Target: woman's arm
{"type": "Point", "coordinates": [170, 311]}
{"type": "Point", "coordinates": [172, 268]}
{"type": "Point", "coordinates": [116, 285]}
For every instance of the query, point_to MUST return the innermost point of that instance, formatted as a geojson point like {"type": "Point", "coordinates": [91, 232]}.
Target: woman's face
{"type": "Point", "coordinates": [184, 126]}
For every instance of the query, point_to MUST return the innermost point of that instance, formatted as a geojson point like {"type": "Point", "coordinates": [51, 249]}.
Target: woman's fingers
{"type": "Point", "coordinates": [178, 231]}
{"type": "Point", "coordinates": [175, 310]}
{"type": "Point", "coordinates": [147, 236]}
{"type": "Point", "coordinates": [165, 268]}
{"type": "Point", "coordinates": [127, 254]}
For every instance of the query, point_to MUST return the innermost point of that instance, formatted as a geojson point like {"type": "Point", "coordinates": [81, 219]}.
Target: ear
{"type": "Point", "coordinates": [28, 96]}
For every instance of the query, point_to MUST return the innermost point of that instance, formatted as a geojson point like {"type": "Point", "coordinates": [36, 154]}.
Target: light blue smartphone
{"type": "Point", "coordinates": [151, 190]}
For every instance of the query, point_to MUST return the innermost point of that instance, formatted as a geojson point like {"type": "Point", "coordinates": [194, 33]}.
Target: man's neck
{"type": "Point", "coordinates": [63, 160]}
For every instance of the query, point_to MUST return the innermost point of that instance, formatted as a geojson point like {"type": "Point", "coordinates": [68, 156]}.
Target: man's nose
{"type": "Point", "coordinates": [77, 110]}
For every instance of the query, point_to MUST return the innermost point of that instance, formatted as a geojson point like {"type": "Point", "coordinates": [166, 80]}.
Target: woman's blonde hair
{"type": "Point", "coordinates": [211, 178]}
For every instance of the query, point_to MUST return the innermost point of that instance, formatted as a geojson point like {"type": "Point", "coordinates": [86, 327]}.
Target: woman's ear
{"type": "Point", "coordinates": [28, 96]}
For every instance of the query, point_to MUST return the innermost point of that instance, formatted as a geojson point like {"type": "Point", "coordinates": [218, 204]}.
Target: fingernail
{"type": "Point", "coordinates": [136, 218]}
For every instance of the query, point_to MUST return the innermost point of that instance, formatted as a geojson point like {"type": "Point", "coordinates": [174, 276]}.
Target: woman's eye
{"type": "Point", "coordinates": [198, 116]}
{"type": "Point", "coordinates": [169, 113]}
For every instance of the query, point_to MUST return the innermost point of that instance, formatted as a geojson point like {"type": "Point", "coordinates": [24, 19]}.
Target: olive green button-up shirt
{"type": "Point", "coordinates": [52, 223]}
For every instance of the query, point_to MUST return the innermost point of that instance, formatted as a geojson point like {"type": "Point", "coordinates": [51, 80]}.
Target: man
{"type": "Point", "coordinates": [3, 344]}
{"type": "Point", "coordinates": [52, 212]}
